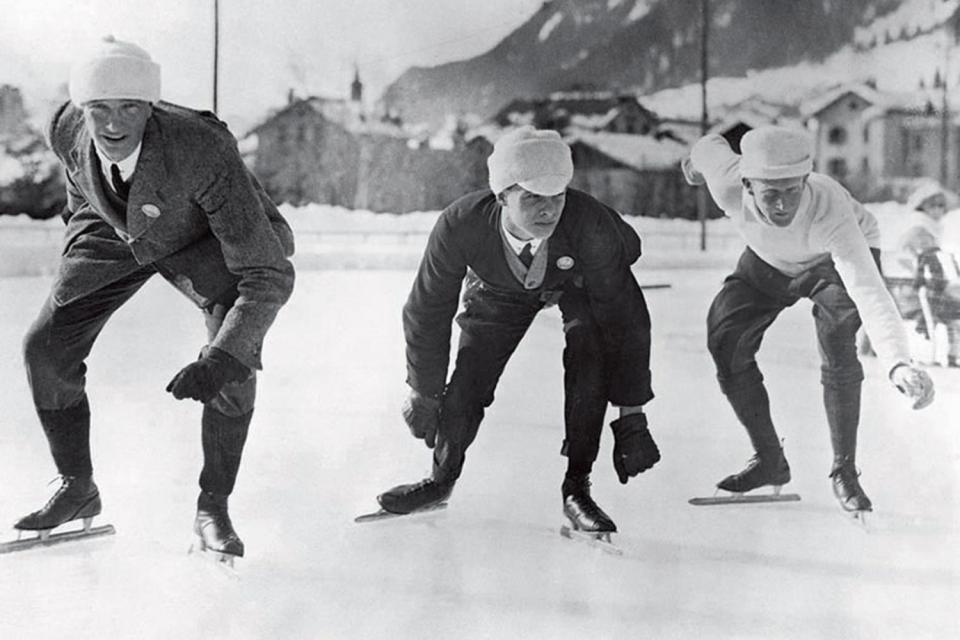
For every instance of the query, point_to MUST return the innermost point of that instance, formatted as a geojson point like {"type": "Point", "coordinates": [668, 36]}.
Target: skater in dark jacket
{"type": "Point", "coordinates": [154, 188]}
{"type": "Point", "coordinates": [527, 243]}
{"type": "Point", "coordinates": [806, 238]}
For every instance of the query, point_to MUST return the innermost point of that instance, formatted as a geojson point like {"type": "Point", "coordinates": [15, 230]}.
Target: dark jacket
{"type": "Point", "coordinates": [590, 250]}
{"type": "Point", "coordinates": [194, 213]}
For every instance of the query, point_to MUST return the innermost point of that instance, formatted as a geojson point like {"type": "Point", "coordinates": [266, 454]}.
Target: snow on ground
{"type": "Point", "coordinates": [327, 437]}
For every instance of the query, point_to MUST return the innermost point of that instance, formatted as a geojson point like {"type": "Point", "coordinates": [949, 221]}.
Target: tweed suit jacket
{"type": "Point", "coordinates": [195, 214]}
{"type": "Point", "coordinates": [591, 250]}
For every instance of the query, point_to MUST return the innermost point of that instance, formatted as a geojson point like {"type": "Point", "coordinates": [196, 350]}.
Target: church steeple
{"type": "Point", "coordinates": [356, 87]}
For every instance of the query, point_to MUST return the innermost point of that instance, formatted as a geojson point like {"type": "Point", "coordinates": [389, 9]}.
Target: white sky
{"type": "Point", "coordinates": [266, 46]}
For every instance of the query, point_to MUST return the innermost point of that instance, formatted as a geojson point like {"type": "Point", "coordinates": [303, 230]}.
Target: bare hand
{"type": "Point", "coordinates": [914, 383]}
{"type": "Point", "coordinates": [692, 176]}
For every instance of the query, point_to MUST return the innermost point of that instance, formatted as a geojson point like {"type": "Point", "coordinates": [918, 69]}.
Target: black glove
{"type": "Point", "coordinates": [634, 450]}
{"type": "Point", "coordinates": [422, 415]}
{"type": "Point", "coordinates": [203, 379]}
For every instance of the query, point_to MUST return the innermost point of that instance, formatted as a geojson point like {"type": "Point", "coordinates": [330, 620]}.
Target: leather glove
{"type": "Point", "coordinates": [422, 415]}
{"type": "Point", "coordinates": [202, 380]}
{"type": "Point", "coordinates": [914, 383]}
{"type": "Point", "coordinates": [634, 450]}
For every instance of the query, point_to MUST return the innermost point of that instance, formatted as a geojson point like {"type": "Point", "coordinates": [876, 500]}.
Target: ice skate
{"type": "Point", "coordinates": [586, 520]}
{"type": "Point", "coordinates": [77, 498]}
{"type": "Point", "coordinates": [214, 531]}
{"type": "Point", "coordinates": [849, 493]}
{"type": "Point", "coordinates": [407, 499]}
{"type": "Point", "coordinates": [759, 472]}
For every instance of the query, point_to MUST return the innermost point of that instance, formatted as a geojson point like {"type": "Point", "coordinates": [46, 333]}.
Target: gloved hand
{"type": "Point", "coordinates": [203, 379]}
{"type": "Point", "coordinates": [634, 450]}
{"type": "Point", "coordinates": [693, 177]}
{"type": "Point", "coordinates": [914, 383]}
{"type": "Point", "coordinates": [422, 415]}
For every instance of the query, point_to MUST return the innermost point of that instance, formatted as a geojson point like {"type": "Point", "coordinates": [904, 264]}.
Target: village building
{"type": "Point", "coordinates": [879, 143]}
{"type": "Point", "coordinates": [332, 151]}
{"type": "Point", "coordinates": [585, 110]}
{"type": "Point", "coordinates": [634, 174]}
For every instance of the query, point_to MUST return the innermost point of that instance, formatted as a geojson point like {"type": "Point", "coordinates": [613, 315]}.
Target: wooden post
{"type": "Point", "coordinates": [704, 118]}
{"type": "Point", "coordinates": [216, 49]}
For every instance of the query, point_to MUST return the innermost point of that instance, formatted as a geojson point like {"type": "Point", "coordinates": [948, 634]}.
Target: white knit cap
{"type": "Point", "coordinates": [115, 70]}
{"type": "Point", "coordinates": [536, 159]}
{"type": "Point", "coordinates": [770, 153]}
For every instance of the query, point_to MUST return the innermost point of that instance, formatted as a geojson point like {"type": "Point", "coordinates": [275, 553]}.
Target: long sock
{"type": "Point", "coordinates": [751, 404]}
{"type": "Point", "coordinates": [842, 404]}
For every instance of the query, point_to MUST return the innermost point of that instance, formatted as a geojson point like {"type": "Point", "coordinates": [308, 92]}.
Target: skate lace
{"type": "Point", "coordinates": [65, 482]}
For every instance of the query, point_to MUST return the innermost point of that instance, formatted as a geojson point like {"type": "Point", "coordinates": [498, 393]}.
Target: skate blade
{"type": "Point", "coordinates": [600, 540]}
{"type": "Point", "coordinates": [383, 514]}
{"type": "Point", "coordinates": [45, 538]}
{"type": "Point", "coordinates": [743, 498]}
{"type": "Point", "coordinates": [859, 519]}
{"type": "Point", "coordinates": [222, 561]}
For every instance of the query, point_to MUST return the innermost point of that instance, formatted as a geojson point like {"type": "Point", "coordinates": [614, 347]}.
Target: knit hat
{"type": "Point", "coordinates": [115, 70]}
{"type": "Point", "coordinates": [770, 153]}
{"type": "Point", "coordinates": [537, 160]}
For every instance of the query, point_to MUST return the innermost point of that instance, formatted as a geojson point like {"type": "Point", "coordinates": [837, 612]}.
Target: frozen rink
{"type": "Point", "coordinates": [327, 437]}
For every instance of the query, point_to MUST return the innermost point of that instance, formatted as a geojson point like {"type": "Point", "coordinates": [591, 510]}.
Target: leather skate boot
{"type": "Point", "coordinates": [769, 469]}
{"type": "Point", "coordinates": [77, 498]}
{"type": "Point", "coordinates": [407, 498]}
{"type": "Point", "coordinates": [213, 527]}
{"type": "Point", "coordinates": [580, 509]}
{"type": "Point", "coordinates": [847, 489]}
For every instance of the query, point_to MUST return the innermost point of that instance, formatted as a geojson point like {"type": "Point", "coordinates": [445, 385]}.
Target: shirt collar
{"type": "Point", "coordinates": [127, 165]}
{"type": "Point", "coordinates": [515, 243]}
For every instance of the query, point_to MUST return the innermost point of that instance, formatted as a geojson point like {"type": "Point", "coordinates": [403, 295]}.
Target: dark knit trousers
{"type": "Point", "coordinates": [749, 301]}
{"type": "Point", "coordinates": [492, 325]}
{"type": "Point", "coordinates": [55, 349]}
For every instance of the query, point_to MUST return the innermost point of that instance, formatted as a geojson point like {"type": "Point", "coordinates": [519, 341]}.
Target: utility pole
{"type": "Point", "coordinates": [216, 49]}
{"type": "Point", "coordinates": [944, 134]}
{"type": "Point", "coordinates": [704, 118]}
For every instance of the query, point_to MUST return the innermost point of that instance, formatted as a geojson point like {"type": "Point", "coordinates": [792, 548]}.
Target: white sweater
{"type": "Point", "coordinates": [828, 224]}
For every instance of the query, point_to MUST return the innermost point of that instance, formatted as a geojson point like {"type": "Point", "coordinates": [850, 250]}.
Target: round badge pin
{"type": "Point", "coordinates": [151, 210]}
{"type": "Point", "coordinates": [564, 262]}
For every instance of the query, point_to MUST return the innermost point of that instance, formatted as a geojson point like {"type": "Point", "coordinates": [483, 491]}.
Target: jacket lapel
{"type": "Point", "coordinates": [147, 202]}
{"type": "Point", "coordinates": [87, 178]}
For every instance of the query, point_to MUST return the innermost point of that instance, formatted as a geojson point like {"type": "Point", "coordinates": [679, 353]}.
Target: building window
{"type": "Point", "coordinates": [865, 165]}
{"type": "Point", "coordinates": [866, 134]}
{"type": "Point", "coordinates": [837, 135]}
{"type": "Point", "coordinates": [837, 167]}
{"type": "Point", "coordinates": [918, 142]}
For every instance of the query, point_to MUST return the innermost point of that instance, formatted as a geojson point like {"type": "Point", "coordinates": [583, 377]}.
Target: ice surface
{"type": "Point", "coordinates": [327, 437]}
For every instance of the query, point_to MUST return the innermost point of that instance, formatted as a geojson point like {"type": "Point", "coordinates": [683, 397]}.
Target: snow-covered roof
{"type": "Point", "coordinates": [883, 100]}
{"type": "Point", "coordinates": [639, 152]}
{"type": "Point", "coordinates": [345, 113]}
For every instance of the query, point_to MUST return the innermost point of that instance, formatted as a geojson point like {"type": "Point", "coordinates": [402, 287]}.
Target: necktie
{"type": "Point", "coordinates": [119, 185]}
{"type": "Point", "coordinates": [526, 255]}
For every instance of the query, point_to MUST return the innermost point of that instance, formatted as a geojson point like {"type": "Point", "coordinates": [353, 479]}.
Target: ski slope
{"type": "Point", "coordinates": [327, 437]}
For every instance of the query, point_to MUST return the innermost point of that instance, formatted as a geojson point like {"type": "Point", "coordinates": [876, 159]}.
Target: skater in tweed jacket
{"type": "Point", "coordinates": [154, 188]}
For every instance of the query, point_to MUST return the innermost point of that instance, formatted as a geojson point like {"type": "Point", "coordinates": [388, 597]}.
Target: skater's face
{"type": "Point", "coordinates": [116, 125]}
{"type": "Point", "coordinates": [934, 206]}
{"type": "Point", "coordinates": [777, 200]}
{"type": "Point", "coordinates": [531, 215]}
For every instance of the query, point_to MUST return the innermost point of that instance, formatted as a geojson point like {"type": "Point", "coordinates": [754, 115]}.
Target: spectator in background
{"type": "Point", "coordinates": [929, 297]}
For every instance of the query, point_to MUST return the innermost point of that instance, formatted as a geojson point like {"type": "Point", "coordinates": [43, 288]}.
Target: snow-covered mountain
{"type": "Point", "coordinates": [646, 46]}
